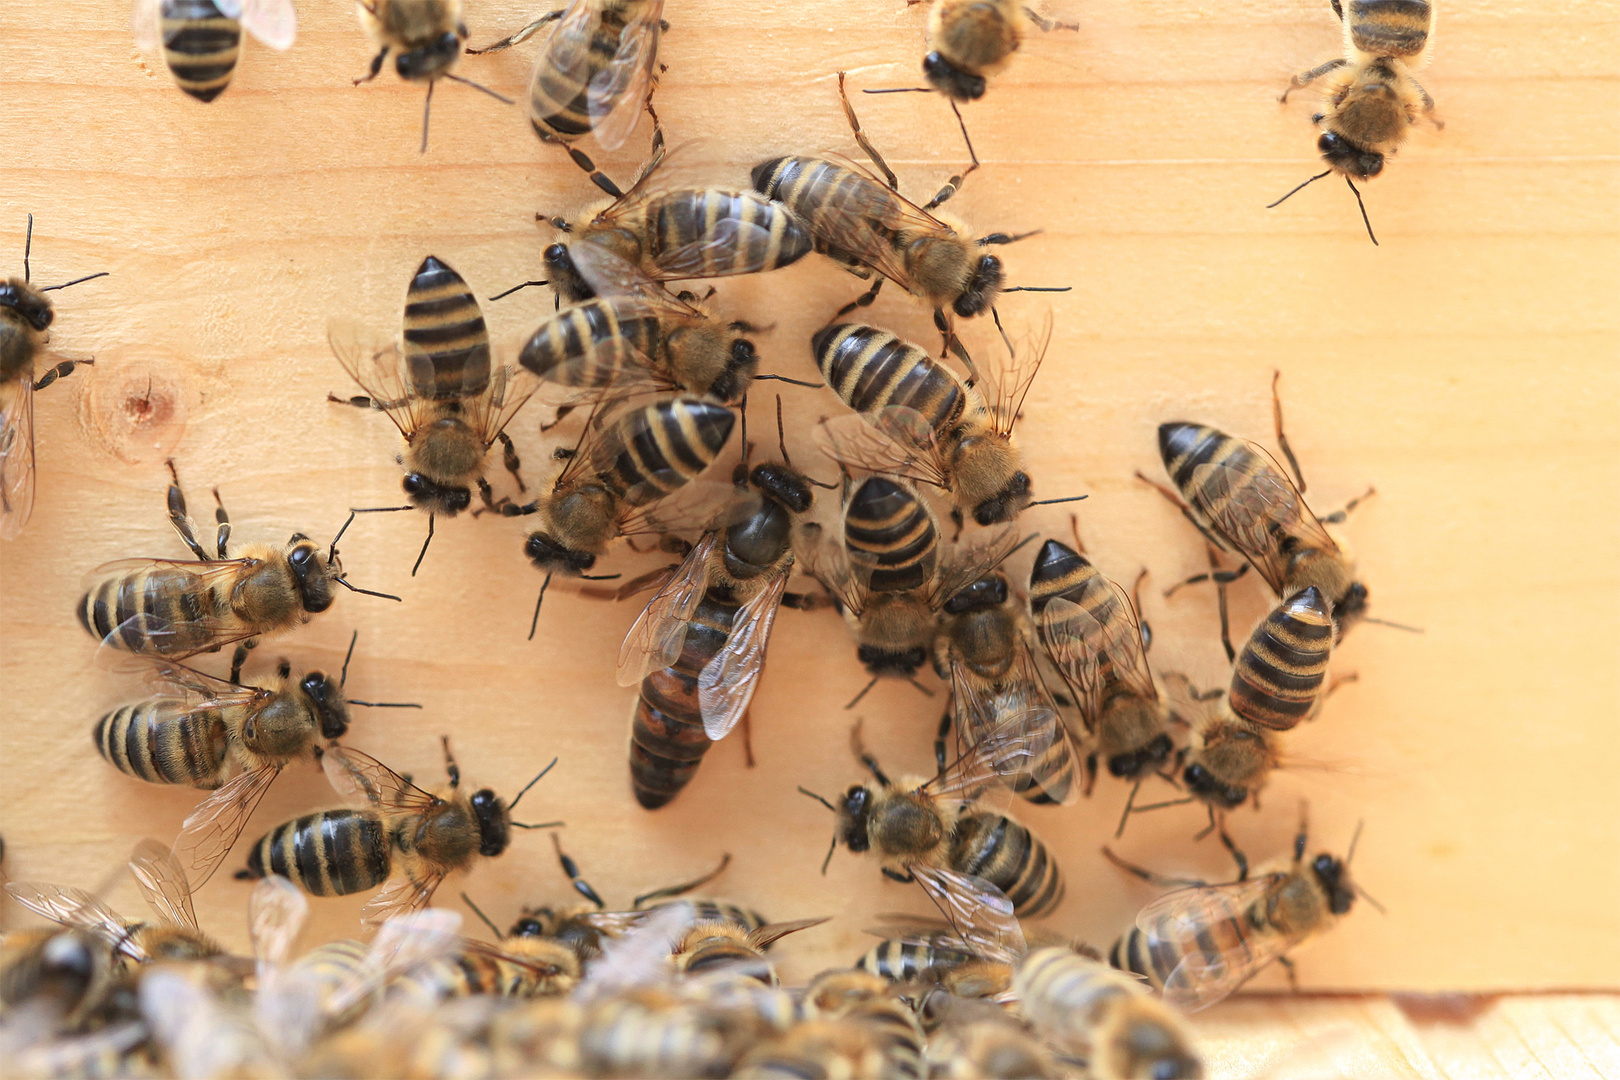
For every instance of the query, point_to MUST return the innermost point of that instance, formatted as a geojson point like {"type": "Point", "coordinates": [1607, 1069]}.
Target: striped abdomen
{"type": "Point", "coordinates": [1050, 776]}
{"type": "Point", "coordinates": [200, 46]}
{"type": "Point", "coordinates": [582, 345]}
{"type": "Point", "coordinates": [656, 450]}
{"type": "Point", "coordinates": [889, 532]}
{"type": "Point", "coordinates": [165, 741]}
{"type": "Point", "coordinates": [446, 341]}
{"type": "Point", "coordinates": [327, 853]}
{"type": "Point", "coordinates": [467, 974]}
{"type": "Point", "coordinates": [1008, 856]}
{"type": "Point", "coordinates": [898, 1032]}
{"type": "Point", "coordinates": [824, 195]}
{"type": "Point", "coordinates": [667, 741]}
{"type": "Point", "coordinates": [736, 232]}
{"type": "Point", "coordinates": [1390, 27]}
{"type": "Point", "coordinates": [1060, 571]}
{"type": "Point", "coordinates": [1083, 1007]}
{"type": "Point", "coordinates": [558, 105]}
{"type": "Point", "coordinates": [1280, 671]}
{"type": "Point", "coordinates": [872, 369]}
{"type": "Point", "coordinates": [718, 911]}
{"type": "Point", "coordinates": [724, 952]}
{"type": "Point", "coordinates": [163, 610]}
{"type": "Point", "coordinates": [908, 961]}
{"type": "Point", "coordinates": [1236, 474]}
{"type": "Point", "coordinates": [1205, 928]}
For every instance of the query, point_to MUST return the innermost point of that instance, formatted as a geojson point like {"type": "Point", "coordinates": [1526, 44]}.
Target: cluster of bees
{"type": "Point", "coordinates": [1049, 684]}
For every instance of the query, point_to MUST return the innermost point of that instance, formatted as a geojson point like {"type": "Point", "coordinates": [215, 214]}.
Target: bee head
{"type": "Point", "coordinates": [781, 484]}
{"type": "Point", "coordinates": [901, 662]}
{"type": "Point", "coordinates": [1204, 784]}
{"type": "Point", "coordinates": [854, 813]}
{"type": "Point", "coordinates": [1348, 158]}
{"type": "Point", "coordinates": [326, 699]}
{"type": "Point", "coordinates": [430, 60]}
{"type": "Point", "coordinates": [1352, 606]}
{"type": "Point", "coordinates": [445, 499]}
{"type": "Point", "coordinates": [311, 573]}
{"type": "Point", "coordinates": [564, 276]}
{"type": "Point", "coordinates": [986, 594]}
{"type": "Point", "coordinates": [982, 287]}
{"type": "Point", "coordinates": [1133, 764]}
{"type": "Point", "coordinates": [27, 302]}
{"type": "Point", "coordinates": [951, 80]}
{"type": "Point", "coordinates": [553, 556]}
{"type": "Point", "coordinates": [531, 925]}
{"type": "Point", "coordinates": [1334, 877]}
{"type": "Point", "coordinates": [494, 824]}
{"type": "Point", "coordinates": [739, 371]}
{"type": "Point", "coordinates": [1152, 1049]}
{"type": "Point", "coordinates": [1005, 504]}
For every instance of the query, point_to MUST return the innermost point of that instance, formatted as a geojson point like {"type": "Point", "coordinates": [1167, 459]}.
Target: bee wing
{"type": "Point", "coordinates": [1178, 918]}
{"type": "Point", "coordinates": [1091, 652]}
{"type": "Point", "coordinates": [510, 387]}
{"type": "Point", "coordinates": [1016, 374]}
{"type": "Point", "coordinates": [400, 896]}
{"type": "Point", "coordinates": [72, 907]}
{"type": "Point", "coordinates": [659, 632]}
{"type": "Point", "coordinates": [691, 508]}
{"type": "Point", "coordinates": [274, 22]}
{"type": "Point", "coordinates": [212, 829]}
{"type": "Point", "coordinates": [727, 683]}
{"type": "Point", "coordinates": [859, 221]}
{"type": "Point", "coordinates": [972, 561]}
{"type": "Point", "coordinates": [615, 93]}
{"type": "Point", "coordinates": [1249, 509]}
{"type": "Point", "coordinates": [979, 913]}
{"type": "Point", "coordinates": [402, 943]}
{"type": "Point", "coordinates": [277, 911]}
{"type": "Point", "coordinates": [378, 366]}
{"type": "Point", "coordinates": [163, 882]}
{"type": "Point", "coordinates": [1013, 747]}
{"type": "Point", "coordinates": [635, 292]}
{"type": "Point", "coordinates": [367, 782]}
{"type": "Point", "coordinates": [897, 441]}
{"type": "Point", "coordinates": [640, 957]}
{"type": "Point", "coordinates": [147, 24]}
{"type": "Point", "coordinates": [770, 933]}
{"type": "Point", "coordinates": [612, 923]}
{"type": "Point", "coordinates": [199, 1033]}
{"type": "Point", "coordinates": [16, 456]}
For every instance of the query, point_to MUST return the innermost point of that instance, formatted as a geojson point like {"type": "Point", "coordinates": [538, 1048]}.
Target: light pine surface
{"type": "Point", "coordinates": [1467, 368]}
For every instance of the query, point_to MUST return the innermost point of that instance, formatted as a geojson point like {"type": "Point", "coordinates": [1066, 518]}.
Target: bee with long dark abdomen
{"type": "Point", "coordinates": [592, 75]}
{"type": "Point", "coordinates": [201, 39]}
{"type": "Point", "coordinates": [440, 386]}
{"type": "Point", "coordinates": [1374, 96]}
{"type": "Point", "coordinates": [25, 319]}
{"type": "Point", "coordinates": [1198, 944]}
{"type": "Point", "coordinates": [176, 609]}
{"type": "Point", "coordinates": [930, 831]}
{"type": "Point", "coordinates": [415, 837]}
{"type": "Point", "coordinates": [1090, 630]}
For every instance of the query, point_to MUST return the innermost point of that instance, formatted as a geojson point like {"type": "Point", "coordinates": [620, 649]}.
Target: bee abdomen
{"type": "Point", "coordinates": [200, 46]}
{"type": "Point", "coordinates": [1390, 27]}
{"type": "Point", "coordinates": [807, 186]}
{"type": "Point", "coordinates": [667, 740]}
{"type": "Point", "coordinates": [1279, 673]}
{"type": "Point", "coordinates": [558, 104]}
{"type": "Point", "coordinates": [165, 611]}
{"type": "Point", "coordinates": [1001, 851]}
{"type": "Point", "coordinates": [446, 341]}
{"type": "Point", "coordinates": [889, 530]}
{"type": "Point", "coordinates": [715, 911]}
{"type": "Point", "coordinates": [163, 741]}
{"type": "Point", "coordinates": [568, 348]}
{"type": "Point", "coordinates": [908, 961]}
{"type": "Point", "coordinates": [327, 853]}
{"type": "Point", "coordinates": [871, 369]}
{"type": "Point", "coordinates": [664, 446]}
{"type": "Point", "coordinates": [768, 237]}
{"type": "Point", "coordinates": [1060, 571]}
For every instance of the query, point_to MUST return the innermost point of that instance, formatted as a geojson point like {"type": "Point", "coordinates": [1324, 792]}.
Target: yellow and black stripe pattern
{"type": "Point", "coordinates": [1223, 942]}
{"type": "Point", "coordinates": [667, 740]}
{"type": "Point", "coordinates": [1007, 855]}
{"type": "Point", "coordinates": [658, 449]}
{"type": "Point", "coordinates": [327, 853]}
{"type": "Point", "coordinates": [1397, 28]}
{"type": "Point", "coordinates": [200, 45]}
{"type": "Point", "coordinates": [818, 191]}
{"type": "Point", "coordinates": [890, 534]}
{"type": "Point", "coordinates": [719, 911]}
{"type": "Point", "coordinates": [1060, 571]}
{"type": "Point", "coordinates": [1185, 447]}
{"type": "Point", "coordinates": [871, 369]}
{"type": "Point", "coordinates": [559, 108]}
{"type": "Point", "coordinates": [899, 960]}
{"type": "Point", "coordinates": [446, 341]}
{"type": "Point", "coordinates": [166, 610]}
{"type": "Point", "coordinates": [724, 947]}
{"type": "Point", "coordinates": [590, 331]}
{"type": "Point", "coordinates": [165, 741]}
{"type": "Point", "coordinates": [1279, 673]}
{"type": "Point", "coordinates": [758, 234]}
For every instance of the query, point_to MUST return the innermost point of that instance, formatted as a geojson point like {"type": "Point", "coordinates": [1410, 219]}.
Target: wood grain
{"type": "Point", "coordinates": [1466, 368]}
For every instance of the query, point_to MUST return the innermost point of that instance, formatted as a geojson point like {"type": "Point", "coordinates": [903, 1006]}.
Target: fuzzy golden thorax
{"type": "Point", "coordinates": [1227, 761]}
{"type": "Point", "coordinates": [447, 451]}
{"type": "Point", "coordinates": [426, 34]}
{"type": "Point", "coordinates": [907, 826]}
{"type": "Point", "coordinates": [978, 36]}
{"type": "Point", "coordinates": [267, 592]}
{"type": "Point", "coordinates": [584, 519]}
{"type": "Point", "coordinates": [444, 836]}
{"type": "Point", "coordinates": [983, 640]}
{"type": "Point", "coordinates": [1373, 108]}
{"type": "Point", "coordinates": [895, 621]}
{"type": "Point", "coordinates": [1131, 734]}
{"type": "Point", "coordinates": [940, 263]}
{"type": "Point", "coordinates": [283, 728]}
{"type": "Point", "coordinates": [990, 481]}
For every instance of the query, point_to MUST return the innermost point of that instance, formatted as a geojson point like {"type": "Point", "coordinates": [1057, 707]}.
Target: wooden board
{"type": "Point", "coordinates": [1466, 368]}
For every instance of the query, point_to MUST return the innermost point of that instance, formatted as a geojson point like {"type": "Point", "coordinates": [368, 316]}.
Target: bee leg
{"type": "Point", "coordinates": [1238, 857]}
{"type": "Point", "coordinates": [1292, 972]}
{"type": "Point", "coordinates": [863, 300]}
{"type": "Point", "coordinates": [450, 766]}
{"type": "Point", "coordinates": [939, 740]}
{"type": "Point", "coordinates": [571, 869]}
{"type": "Point", "coordinates": [376, 67]}
{"type": "Point", "coordinates": [1046, 25]}
{"type": "Point", "coordinates": [1338, 516]}
{"type": "Point", "coordinates": [1428, 104]}
{"type": "Point", "coordinates": [1305, 78]}
{"type": "Point", "coordinates": [520, 37]}
{"type": "Point", "coordinates": [959, 521]}
{"type": "Point", "coordinates": [60, 371]}
{"type": "Point", "coordinates": [748, 737]}
{"type": "Point", "coordinates": [954, 184]}
{"type": "Point", "coordinates": [1136, 600]}
{"type": "Point", "coordinates": [239, 658]}
{"type": "Point", "coordinates": [180, 519]}
{"type": "Point", "coordinates": [860, 137]}
{"type": "Point", "coordinates": [894, 875]}
{"type": "Point", "coordinates": [1282, 439]}
{"type": "Point", "coordinates": [223, 520]}
{"type": "Point", "coordinates": [581, 159]}
{"type": "Point", "coordinates": [1338, 12]}
{"type": "Point", "coordinates": [1153, 878]}
{"type": "Point", "coordinates": [803, 601]}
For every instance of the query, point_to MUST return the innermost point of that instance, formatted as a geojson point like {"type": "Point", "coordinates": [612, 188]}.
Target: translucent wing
{"type": "Point", "coordinates": [16, 455]}
{"type": "Point", "coordinates": [615, 93]}
{"type": "Point", "coordinates": [640, 957]}
{"type": "Point", "coordinates": [824, 559]}
{"type": "Point", "coordinates": [75, 908]}
{"type": "Point", "coordinates": [368, 782]}
{"type": "Point", "coordinates": [690, 508]}
{"type": "Point", "coordinates": [402, 943]}
{"type": "Point", "coordinates": [637, 293]}
{"type": "Point", "coordinates": [1015, 375]}
{"type": "Point", "coordinates": [659, 632]}
{"type": "Point", "coordinates": [277, 911]}
{"type": "Point", "coordinates": [715, 255]}
{"type": "Point", "coordinates": [376, 363]}
{"type": "Point", "coordinates": [979, 913]}
{"type": "Point", "coordinates": [972, 561]}
{"type": "Point", "coordinates": [201, 1035]}
{"type": "Point", "coordinates": [613, 923]}
{"type": "Point", "coordinates": [728, 681]}
{"type": "Point", "coordinates": [1012, 748]}
{"type": "Point", "coordinates": [1255, 511]}
{"type": "Point", "coordinates": [770, 933]}
{"type": "Point", "coordinates": [860, 218]}
{"type": "Point", "coordinates": [400, 896]}
{"type": "Point", "coordinates": [274, 22]}
{"type": "Point", "coordinates": [163, 883]}
{"type": "Point", "coordinates": [70, 1055]}
{"type": "Point", "coordinates": [1093, 653]}
{"type": "Point", "coordinates": [1176, 921]}
{"type": "Point", "coordinates": [510, 386]}
{"type": "Point", "coordinates": [212, 829]}
{"type": "Point", "coordinates": [567, 52]}
{"type": "Point", "coordinates": [981, 707]}
{"type": "Point", "coordinates": [147, 24]}
{"type": "Point", "coordinates": [895, 440]}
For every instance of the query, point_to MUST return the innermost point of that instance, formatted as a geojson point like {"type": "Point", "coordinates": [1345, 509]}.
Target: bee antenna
{"type": "Point", "coordinates": [427, 111]}
{"type": "Point", "coordinates": [539, 825]}
{"type": "Point", "coordinates": [1296, 191]}
{"type": "Point", "coordinates": [1005, 238]}
{"type": "Point", "coordinates": [468, 82]}
{"type": "Point", "coordinates": [819, 799]}
{"type": "Point", "coordinates": [423, 553]}
{"type": "Point", "coordinates": [513, 804]}
{"type": "Point", "coordinates": [832, 847]}
{"type": "Point", "coordinates": [1129, 802]}
{"type": "Point", "coordinates": [343, 677]}
{"type": "Point", "coordinates": [1396, 625]}
{"type": "Point", "coordinates": [912, 679]}
{"type": "Point", "coordinates": [465, 899]}
{"type": "Point", "coordinates": [332, 550]}
{"type": "Point", "coordinates": [1066, 498]}
{"type": "Point", "coordinates": [367, 592]}
{"type": "Point", "coordinates": [1367, 896]}
{"type": "Point", "coordinates": [1161, 805]}
{"type": "Point", "coordinates": [1364, 219]}
{"type": "Point", "coordinates": [1038, 288]}
{"type": "Point", "coordinates": [383, 704]}
{"type": "Point", "coordinates": [515, 288]}
{"type": "Point", "coordinates": [856, 700]}
{"type": "Point", "coordinates": [901, 90]}
{"type": "Point", "coordinates": [795, 382]}
{"type": "Point", "coordinates": [538, 601]}
{"type": "Point", "coordinates": [28, 247]}
{"type": "Point", "coordinates": [75, 281]}
{"type": "Point", "coordinates": [781, 434]}
{"type": "Point", "coordinates": [1354, 839]}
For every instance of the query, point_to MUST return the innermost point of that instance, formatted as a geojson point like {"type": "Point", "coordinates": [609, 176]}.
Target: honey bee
{"type": "Point", "coordinates": [176, 609]}
{"type": "Point", "coordinates": [414, 837]}
{"type": "Point", "coordinates": [698, 648]}
{"type": "Point", "coordinates": [930, 831]}
{"type": "Point", "coordinates": [592, 75]}
{"type": "Point", "coordinates": [971, 40]}
{"type": "Point", "coordinates": [58, 980]}
{"type": "Point", "coordinates": [975, 1040]}
{"type": "Point", "coordinates": [174, 935]}
{"type": "Point", "coordinates": [914, 417]}
{"type": "Point", "coordinates": [655, 1031]}
{"type": "Point", "coordinates": [906, 960]}
{"type": "Point", "coordinates": [983, 649]}
{"type": "Point", "coordinates": [441, 388]}
{"type": "Point", "coordinates": [1199, 943]}
{"type": "Point", "coordinates": [818, 1048]}
{"type": "Point", "coordinates": [1090, 631]}
{"type": "Point", "coordinates": [623, 464]}
{"type": "Point", "coordinates": [635, 336]}
{"type": "Point", "coordinates": [25, 317]}
{"type": "Point", "coordinates": [722, 945]}
{"type": "Point", "coordinates": [518, 967]}
{"type": "Point", "coordinates": [888, 576]}
{"type": "Point", "coordinates": [200, 39]}
{"type": "Point", "coordinates": [1277, 681]}
{"type": "Point", "coordinates": [425, 37]}
{"type": "Point", "coordinates": [1374, 96]}
{"type": "Point", "coordinates": [860, 997]}
{"type": "Point", "coordinates": [864, 223]}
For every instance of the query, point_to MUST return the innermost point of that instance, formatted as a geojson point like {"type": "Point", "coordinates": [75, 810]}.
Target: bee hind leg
{"type": "Point", "coordinates": [60, 371]}
{"type": "Point", "coordinates": [863, 300]}
{"type": "Point", "coordinates": [521, 36]}
{"type": "Point", "coordinates": [509, 458]}
{"type": "Point", "coordinates": [860, 137]}
{"type": "Point", "coordinates": [179, 518]}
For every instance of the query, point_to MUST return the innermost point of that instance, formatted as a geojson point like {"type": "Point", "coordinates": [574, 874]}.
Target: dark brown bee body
{"type": "Point", "coordinates": [1398, 28]}
{"type": "Point", "coordinates": [696, 233]}
{"type": "Point", "coordinates": [1279, 674]}
{"type": "Point", "coordinates": [889, 532]}
{"type": "Point", "coordinates": [446, 342]}
{"type": "Point", "coordinates": [1006, 854]}
{"type": "Point", "coordinates": [24, 316]}
{"type": "Point", "coordinates": [872, 369]}
{"type": "Point", "coordinates": [200, 46]}
{"type": "Point", "coordinates": [327, 853]}
{"type": "Point", "coordinates": [165, 741]}
{"type": "Point", "coordinates": [580, 346]}
{"type": "Point", "coordinates": [161, 596]}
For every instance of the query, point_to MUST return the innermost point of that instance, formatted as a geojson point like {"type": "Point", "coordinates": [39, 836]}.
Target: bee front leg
{"type": "Point", "coordinates": [521, 36]}
{"type": "Point", "coordinates": [376, 67]}
{"type": "Point", "coordinates": [1292, 973]}
{"type": "Point", "coordinates": [179, 518]}
{"type": "Point", "coordinates": [1305, 78]}
{"type": "Point", "coordinates": [863, 300]}
{"type": "Point", "coordinates": [509, 458]}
